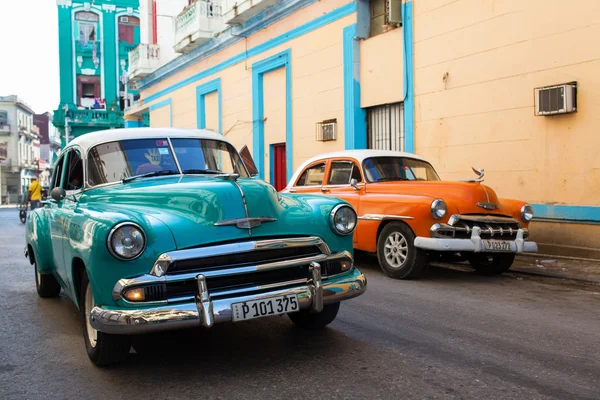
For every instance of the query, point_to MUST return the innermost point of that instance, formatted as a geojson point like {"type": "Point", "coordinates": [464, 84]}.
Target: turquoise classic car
{"type": "Point", "coordinates": [158, 229]}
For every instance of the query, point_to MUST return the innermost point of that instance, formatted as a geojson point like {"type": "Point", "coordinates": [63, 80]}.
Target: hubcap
{"type": "Point", "coordinates": [396, 250]}
{"type": "Point", "coordinates": [89, 304]}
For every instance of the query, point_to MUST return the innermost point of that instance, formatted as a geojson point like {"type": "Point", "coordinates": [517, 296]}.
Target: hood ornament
{"type": "Point", "coordinates": [245, 223]}
{"type": "Point", "coordinates": [479, 173]}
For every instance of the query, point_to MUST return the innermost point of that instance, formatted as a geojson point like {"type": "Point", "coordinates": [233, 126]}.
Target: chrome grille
{"type": "Point", "coordinates": [238, 268]}
{"type": "Point", "coordinates": [492, 227]}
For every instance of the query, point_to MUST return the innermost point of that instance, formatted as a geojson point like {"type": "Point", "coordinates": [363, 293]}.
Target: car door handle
{"type": "Point", "coordinates": [324, 190]}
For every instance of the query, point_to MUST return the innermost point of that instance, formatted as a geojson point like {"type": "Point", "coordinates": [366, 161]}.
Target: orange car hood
{"type": "Point", "coordinates": [462, 195]}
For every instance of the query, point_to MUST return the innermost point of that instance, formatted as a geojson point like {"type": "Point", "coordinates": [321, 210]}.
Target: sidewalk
{"type": "Point", "coordinates": [579, 270]}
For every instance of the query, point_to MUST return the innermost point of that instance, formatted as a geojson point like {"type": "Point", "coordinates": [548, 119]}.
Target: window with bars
{"type": "Point", "coordinates": [385, 127]}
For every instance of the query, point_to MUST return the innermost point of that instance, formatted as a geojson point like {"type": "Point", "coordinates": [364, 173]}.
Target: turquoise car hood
{"type": "Point", "coordinates": [191, 206]}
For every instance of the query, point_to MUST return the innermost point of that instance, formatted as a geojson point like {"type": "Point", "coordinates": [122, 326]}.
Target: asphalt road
{"type": "Point", "coordinates": [449, 335]}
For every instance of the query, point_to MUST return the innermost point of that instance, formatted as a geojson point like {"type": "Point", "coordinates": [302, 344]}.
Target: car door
{"type": "Point", "coordinates": [55, 217]}
{"type": "Point", "coordinates": [338, 183]}
{"type": "Point", "coordinates": [73, 184]}
{"type": "Point", "coordinates": [311, 179]}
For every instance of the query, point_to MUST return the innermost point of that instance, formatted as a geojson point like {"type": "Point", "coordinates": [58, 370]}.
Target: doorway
{"type": "Point", "coordinates": [278, 166]}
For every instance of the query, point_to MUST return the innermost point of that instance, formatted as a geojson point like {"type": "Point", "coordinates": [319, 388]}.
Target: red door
{"type": "Point", "coordinates": [279, 166]}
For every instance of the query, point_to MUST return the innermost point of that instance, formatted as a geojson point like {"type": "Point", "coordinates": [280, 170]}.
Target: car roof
{"type": "Point", "coordinates": [89, 140]}
{"type": "Point", "coordinates": [358, 155]}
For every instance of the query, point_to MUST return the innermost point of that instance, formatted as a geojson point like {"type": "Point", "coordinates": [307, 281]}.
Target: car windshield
{"type": "Point", "coordinates": [382, 169]}
{"type": "Point", "coordinates": [128, 159]}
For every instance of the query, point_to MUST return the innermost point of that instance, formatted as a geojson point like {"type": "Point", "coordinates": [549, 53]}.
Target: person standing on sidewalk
{"type": "Point", "coordinates": [35, 193]}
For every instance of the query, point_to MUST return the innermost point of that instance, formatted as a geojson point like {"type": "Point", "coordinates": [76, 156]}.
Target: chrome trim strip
{"type": "Point", "coordinates": [174, 156]}
{"type": "Point", "coordinates": [381, 217]}
{"type": "Point", "coordinates": [244, 203]}
{"type": "Point", "coordinates": [234, 248]}
{"type": "Point", "coordinates": [187, 315]}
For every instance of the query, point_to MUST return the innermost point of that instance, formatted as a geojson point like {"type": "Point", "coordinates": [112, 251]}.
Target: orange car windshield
{"type": "Point", "coordinates": [383, 169]}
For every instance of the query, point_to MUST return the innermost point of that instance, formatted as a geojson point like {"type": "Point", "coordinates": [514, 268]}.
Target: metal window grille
{"type": "Point", "coordinates": [326, 130]}
{"type": "Point", "coordinates": [385, 127]}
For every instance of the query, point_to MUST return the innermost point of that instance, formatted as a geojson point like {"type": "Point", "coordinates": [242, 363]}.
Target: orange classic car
{"type": "Point", "coordinates": [408, 215]}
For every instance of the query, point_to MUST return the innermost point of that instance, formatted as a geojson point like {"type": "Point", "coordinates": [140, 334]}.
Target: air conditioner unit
{"type": "Point", "coordinates": [326, 130]}
{"type": "Point", "coordinates": [557, 99]}
{"type": "Point", "coordinates": [393, 12]}
{"type": "Point", "coordinates": [124, 19]}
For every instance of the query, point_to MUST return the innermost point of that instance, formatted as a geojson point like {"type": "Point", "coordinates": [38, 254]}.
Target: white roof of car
{"type": "Point", "coordinates": [92, 139]}
{"type": "Point", "coordinates": [358, 155]}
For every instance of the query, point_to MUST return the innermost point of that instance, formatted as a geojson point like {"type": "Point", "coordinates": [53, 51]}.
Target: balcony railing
{"type": "Point", "coordinates": [100, 118]}
{"type": "Point", "coordinates": [54, 140]}
{"type": "Point", "coordinates": [237, 11]}
{"type": "Point", "coordinates": [125, 48]}
{"type": "Point", "coordinates": [143, 60]}
{"type": "Point", "coordinates": [4, 128]}
{"type": "Point", "coordinates": [197, 24]}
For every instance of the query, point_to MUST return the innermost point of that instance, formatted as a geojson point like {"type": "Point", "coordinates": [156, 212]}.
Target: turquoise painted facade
{"type": "Point", "coordinates": [94, 41]}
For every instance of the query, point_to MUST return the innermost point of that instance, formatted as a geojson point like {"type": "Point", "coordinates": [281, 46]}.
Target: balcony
{"type": "Point", "coordinates": [197, 24]}
{"type": "Point", "coordinates": [143, 60]}
{"type": "Point", "coordinates": [236, 12]}
{"type": "Point", "coordinates": [90, 47]}
{"type": "Point", "coordinates": [92, 118]}
{"type": "Point", "coordinates": [23, 131]}
{"type": "Point", "coordinates": [5, 129]}
{"type": "Point", "coordinates": [54, 141]}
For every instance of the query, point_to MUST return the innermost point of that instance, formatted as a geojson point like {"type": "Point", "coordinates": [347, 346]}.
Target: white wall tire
{"type": "Point", "coordinates": [102, 349]}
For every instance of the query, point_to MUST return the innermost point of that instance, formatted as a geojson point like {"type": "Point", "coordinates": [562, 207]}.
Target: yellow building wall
{"type": "Point", "coordinates": [476, 64]}
{"type": "Point", "coordinates": [317, 87]}
{"type": "Point", "coordinates": [382, 69]}
{"type": "Point", "coordinates": [161, 117]}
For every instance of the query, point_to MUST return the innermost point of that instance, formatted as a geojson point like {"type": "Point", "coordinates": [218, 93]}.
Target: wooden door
{"type": "Point", "coordinates": [279, 166]}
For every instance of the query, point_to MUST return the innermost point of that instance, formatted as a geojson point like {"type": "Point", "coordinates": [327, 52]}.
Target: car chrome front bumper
{"type": "Point", "coordinates": [206, 312]}
{"type": "Point", "coordinates": [474, 243]}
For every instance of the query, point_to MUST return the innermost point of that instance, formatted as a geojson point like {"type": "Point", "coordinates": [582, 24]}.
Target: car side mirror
{"type": "Point", "coordinates": [58, 193]}
{"type": "Point", "coordinates": [354, 183]}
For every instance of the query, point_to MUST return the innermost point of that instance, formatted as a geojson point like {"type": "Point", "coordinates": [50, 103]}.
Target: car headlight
{"type": "Point", "coordinates": [526, 213]}
{"type": "Point", "coordinates": [126, 241]}
{"type": "Point", "coordinates": [343, 219]}
{"type": "Point", "coordinates": [438, 208]}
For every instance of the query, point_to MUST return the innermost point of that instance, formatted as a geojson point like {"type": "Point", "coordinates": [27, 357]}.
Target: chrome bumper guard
{"type": "Point", "coordinates": [207, 312]}
{"type": "Point", "coordinates": [474, 243]}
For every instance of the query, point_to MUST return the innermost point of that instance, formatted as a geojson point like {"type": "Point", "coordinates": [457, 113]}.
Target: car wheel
{"type": "Point", "coordinates": [46, 284]}
{"type": "Point", "coordinates": [491, 264]}
{"type": "Point", "coordinates": [398, 257]}
{"type": "Point", "coordinates": [309, 320]}
{"type": "Point", "coordinates": [102, 349]}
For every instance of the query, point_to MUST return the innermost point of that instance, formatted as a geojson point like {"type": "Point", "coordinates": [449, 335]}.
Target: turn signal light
{"type": "Point", "coordinates": [135, 294]}
{"type": "Point", "coordinates": [346, 265]}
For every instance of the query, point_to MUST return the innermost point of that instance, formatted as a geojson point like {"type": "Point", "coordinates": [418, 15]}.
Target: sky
{"type": "Point", "coordinates": [29, 57]}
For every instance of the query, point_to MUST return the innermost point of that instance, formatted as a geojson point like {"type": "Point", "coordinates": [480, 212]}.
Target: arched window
{"type": "Point", "coordinates": [87, 26]}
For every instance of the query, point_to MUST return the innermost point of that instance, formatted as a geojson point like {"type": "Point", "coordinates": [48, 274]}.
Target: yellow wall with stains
{"type": "Point", "coordinates": [493, 54]}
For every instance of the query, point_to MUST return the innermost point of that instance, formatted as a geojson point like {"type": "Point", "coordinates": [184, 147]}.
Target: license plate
{"type": "Point", "coordinates": [497, 245]}
{"type": "Point", "coordinates": [265, 307]}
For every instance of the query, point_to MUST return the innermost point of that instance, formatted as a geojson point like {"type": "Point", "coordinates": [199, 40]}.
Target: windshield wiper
{"type": "Point", "coordinates": [150, 174]}
{"type": "Point", "coordinates": [201, 171]}
{"type": "Point", "coordinates": [392, 179]}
